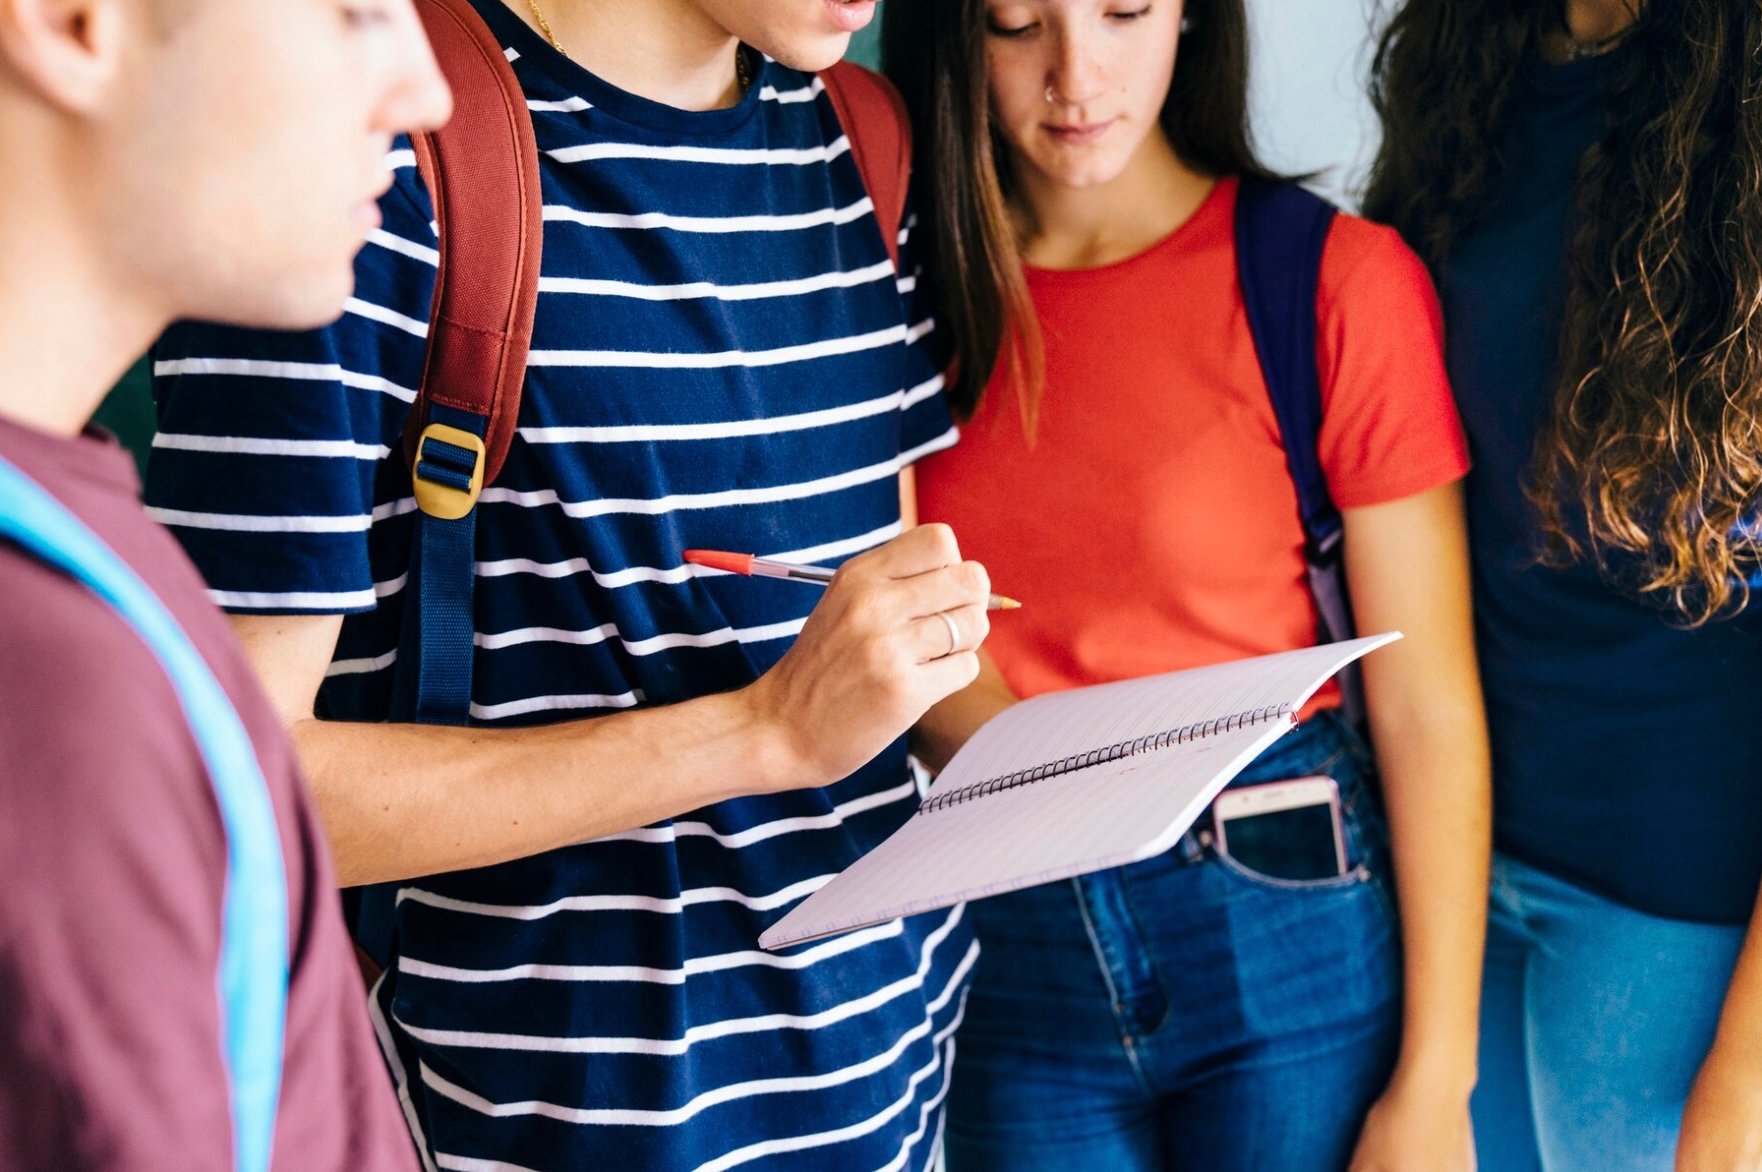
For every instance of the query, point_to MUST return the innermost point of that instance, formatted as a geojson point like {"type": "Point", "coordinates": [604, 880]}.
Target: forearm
{"type": "Point", "coordinates": [949, 725]}
{"type": "Point", "coordinates": [1433, 756]}
{"type": "Point", "coordinates": [401, 801]}
{"type": "Point", "coordinates": [1740, 1023]}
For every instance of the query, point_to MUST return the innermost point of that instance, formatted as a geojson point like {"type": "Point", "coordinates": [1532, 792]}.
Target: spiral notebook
{"type": "Point", "coordinates": [1073, 782]}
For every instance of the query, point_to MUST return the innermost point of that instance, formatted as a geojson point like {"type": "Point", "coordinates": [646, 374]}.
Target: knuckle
{"type": "Point", "coordinates": [974, 579]}
{"type": "Point", "coordinates": [941, 539]}
{"type": "Point", "coordinates": [967, 665]}
{"type": "Point", "coordinates": [850, 575]}
{"type": "Point", "coordinates": [864, 612]}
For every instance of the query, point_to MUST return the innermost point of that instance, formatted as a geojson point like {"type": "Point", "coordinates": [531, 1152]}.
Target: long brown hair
{"type": "Point", "coordinates": [1651, 464]}
{"type": "Point", "coordinates": [934, 51]}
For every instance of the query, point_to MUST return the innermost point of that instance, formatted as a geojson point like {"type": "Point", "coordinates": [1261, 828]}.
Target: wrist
{"type": "Point", "coordinates": [775, 753]}
{"type": "Point", "coordinates": [1438, 1074]}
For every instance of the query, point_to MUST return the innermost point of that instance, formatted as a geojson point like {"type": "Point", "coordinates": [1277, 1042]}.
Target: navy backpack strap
{"type": "Point", "coordinates": [1281, 230]}
{"type": "Point", "coordinates": [253, 977]}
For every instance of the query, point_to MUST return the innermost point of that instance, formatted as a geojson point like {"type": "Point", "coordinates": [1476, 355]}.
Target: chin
{"type": "Point", "coordinates": [284, 301]}
{"type": "Point", "coordinates": [810, 53]}
{"type": "Point", "coordinates": [1083, 177]}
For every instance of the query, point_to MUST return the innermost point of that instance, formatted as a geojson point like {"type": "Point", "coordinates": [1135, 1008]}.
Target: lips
{"type": "Point", "coordinates": [1080, 133]}
{"type": "Point", "coordinates": [852, 15]}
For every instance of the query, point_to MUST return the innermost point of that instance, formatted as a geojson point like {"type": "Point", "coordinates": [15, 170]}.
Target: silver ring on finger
{"type": "Point", "coordinates": [954, 633]}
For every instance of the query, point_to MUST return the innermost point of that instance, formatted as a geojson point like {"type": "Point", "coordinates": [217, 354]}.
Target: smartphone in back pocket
{"type": "Point", "coordinates": [1283, 829]}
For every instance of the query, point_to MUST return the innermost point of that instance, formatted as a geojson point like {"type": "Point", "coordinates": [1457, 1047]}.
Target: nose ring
{"type": "Point", "coordinates": [1050, 99]}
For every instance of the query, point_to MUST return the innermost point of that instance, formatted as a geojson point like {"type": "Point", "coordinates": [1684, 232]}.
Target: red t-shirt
{"type": "Point", "coordinates": [1152, 525]}
{"type": "Point", "coordinates": [112, 866]}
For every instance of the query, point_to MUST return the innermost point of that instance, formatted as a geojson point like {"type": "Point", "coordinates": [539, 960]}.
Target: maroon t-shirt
{"type": "Point", "coordinates": [112, 858]}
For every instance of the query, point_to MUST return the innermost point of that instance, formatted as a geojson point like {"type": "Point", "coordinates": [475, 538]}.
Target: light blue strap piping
{"type": "Point", "coordinates": [253, 976]}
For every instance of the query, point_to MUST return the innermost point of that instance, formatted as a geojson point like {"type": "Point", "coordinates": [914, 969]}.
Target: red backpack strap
{"type": "Point", "coordinates": [482, 174]}
{"type": "Point", "coordinates": [874, 119]}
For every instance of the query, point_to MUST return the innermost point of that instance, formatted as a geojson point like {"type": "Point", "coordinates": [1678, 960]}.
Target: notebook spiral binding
{"type": "Point", "coordinates": [1116, 752]}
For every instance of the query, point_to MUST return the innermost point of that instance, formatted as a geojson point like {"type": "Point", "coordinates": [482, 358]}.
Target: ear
{"type": "Point", "coordinates": [67, 52]}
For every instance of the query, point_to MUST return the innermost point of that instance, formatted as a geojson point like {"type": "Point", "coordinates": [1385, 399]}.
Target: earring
{"type": "Point", "coordinates": [1186, 25]}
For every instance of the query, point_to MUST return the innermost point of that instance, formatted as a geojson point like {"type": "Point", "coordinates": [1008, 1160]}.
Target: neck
{"type": "Point", "coordinates": [669, 51]}
{"type": "Point", "coordinates": [1589, 21]}
{"type": "Point", "coordinates": [69, 328]}
{"type": "Point", "coordinates": [1064, 227]}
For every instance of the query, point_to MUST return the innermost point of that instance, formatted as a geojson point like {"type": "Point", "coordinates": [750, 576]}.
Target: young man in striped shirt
{"type": "Point", "coordinates": [128, 847]}
{"type": "Point", "coordinates": [724, 357]}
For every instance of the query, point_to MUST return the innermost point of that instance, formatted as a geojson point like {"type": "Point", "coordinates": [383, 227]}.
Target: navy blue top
{"type": "Point", "coordinates": [1627, 756]}
{"type": "Point", "coordinates": [724, 356]}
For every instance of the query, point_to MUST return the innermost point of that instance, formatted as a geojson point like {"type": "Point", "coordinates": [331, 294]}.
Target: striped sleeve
{"type": "Point", "coordinates": [269, 462]}
{"type": "Point", "coordinates": [927, 425]}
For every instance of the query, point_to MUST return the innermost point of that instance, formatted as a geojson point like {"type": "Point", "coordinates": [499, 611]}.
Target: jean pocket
{"type": "Point", "coordinates": [1356, 876]}
{"type": "Point", "coordinates": [1362, 836]}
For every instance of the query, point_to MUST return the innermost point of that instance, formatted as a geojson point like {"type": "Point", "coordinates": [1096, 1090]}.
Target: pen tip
{"type": "Point", "coordinates": [1007, 603]}
{"type": "Point", "coordinates": [715, 559]}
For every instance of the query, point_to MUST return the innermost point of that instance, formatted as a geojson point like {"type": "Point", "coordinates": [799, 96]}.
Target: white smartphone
{"type": "Point", "coordinates": [1283, 829]}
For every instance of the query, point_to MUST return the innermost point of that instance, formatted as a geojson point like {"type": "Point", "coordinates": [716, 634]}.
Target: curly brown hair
{"type": "Point", "coordinates": [1651, 466]}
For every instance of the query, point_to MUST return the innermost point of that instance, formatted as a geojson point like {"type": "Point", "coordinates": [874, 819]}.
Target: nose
{"type": "Point", "coordinates": [417, 97]}
{"type": "Point", "coordinates": [1076, 75]}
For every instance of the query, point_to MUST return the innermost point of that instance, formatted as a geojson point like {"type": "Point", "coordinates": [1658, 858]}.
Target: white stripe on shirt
{"type": "Point", "coordinates": [384, 316]}
{"type": "Point", "coordinates": [666, 904]}
{"type": "Point", "coordinates": [615, 974]}
{"type": "Point", "coordinates": [600, 152]}
{"type": "Point", "coordinates": [845, 547]}
{"type": "Point", "coordinates": [768, 830]}
{"type": "Point", "coordinates": [704, 289]}
{"type": "Point", "coordinates": [657, 506]}
{"type": "Point", "coordinates": [642, 221]}
{"type": "Point", "coordinates": [662, 432]}
{"type": "Point", "coordinates": [806, 93]}
{"type": "Point", "coordinates": [782, 355]}
{"type": "Point", "coordinates": [569, 105]}
{"type": "Point", "coordinates": [254, 446]}
{"type": "Point", "coordinates": [404, 247]}
{"type": "Point", "coordinates": [664, 642]}
{"type": "Point", "coordinates": [253, 523]}
{"type": "Point", "coordinates": [569, 703]}
{"type": "Point", "coordinates": [290, 371]}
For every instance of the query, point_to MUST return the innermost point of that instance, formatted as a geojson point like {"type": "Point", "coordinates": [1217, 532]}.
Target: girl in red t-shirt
{"type": "Point", "coordinates": [1121, 472]}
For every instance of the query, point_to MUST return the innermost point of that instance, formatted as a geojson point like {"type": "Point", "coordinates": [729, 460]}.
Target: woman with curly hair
{"type": "Point", "coordinates": [1123, 468]}
{"type": "Point", "coordinates": [1584, 177]}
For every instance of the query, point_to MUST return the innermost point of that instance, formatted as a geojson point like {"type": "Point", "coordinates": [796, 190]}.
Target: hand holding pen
{"type": "Point", "coordinates": [752, 565]}
{"type": "Point", "coordinates": [897, 632]}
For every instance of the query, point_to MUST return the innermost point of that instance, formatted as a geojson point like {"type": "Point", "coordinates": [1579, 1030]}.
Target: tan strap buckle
{"type": "Point", "coordinates": [449, 475]}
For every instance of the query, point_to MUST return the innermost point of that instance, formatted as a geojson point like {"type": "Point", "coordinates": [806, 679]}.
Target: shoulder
{"type": "Point", "coordinates": [1366, 260]}
{"type": "Point", "coordinates": [87, 707]}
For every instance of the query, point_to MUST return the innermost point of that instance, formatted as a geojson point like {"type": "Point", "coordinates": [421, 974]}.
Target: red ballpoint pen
{"type": "Point", "coordinates": [752, 565]}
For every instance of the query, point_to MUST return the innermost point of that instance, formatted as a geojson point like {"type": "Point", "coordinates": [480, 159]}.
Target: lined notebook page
{"type": "Point", "coordinates": [1086, 820]}
{"type": "Point", "coordinates": [1064, 724]}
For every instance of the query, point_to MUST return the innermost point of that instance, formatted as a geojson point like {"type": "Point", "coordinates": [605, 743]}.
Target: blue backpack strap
{"type": "Point", "coordinates": [253, 976]}
{"type": "Point", "coordinates": [1281, 230]}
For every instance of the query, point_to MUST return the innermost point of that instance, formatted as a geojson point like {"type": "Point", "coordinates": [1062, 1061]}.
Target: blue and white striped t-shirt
{"type": "Point", "coordinates": [724, 357]}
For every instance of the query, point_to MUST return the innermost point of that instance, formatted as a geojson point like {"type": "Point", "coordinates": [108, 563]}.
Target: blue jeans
{"type": "Point", "coordinates": [1185, 1012]}
{"type": "Point", "coordinates": [1594, 1021]}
